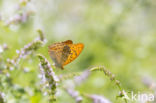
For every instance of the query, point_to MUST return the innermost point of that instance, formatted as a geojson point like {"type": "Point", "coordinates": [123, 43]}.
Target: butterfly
{"type": "Point", "coordinates": [64, 52]}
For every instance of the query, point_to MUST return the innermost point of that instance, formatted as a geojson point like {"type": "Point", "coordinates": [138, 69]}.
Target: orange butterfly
{"type": "Point", "coordinates": [64, 52]}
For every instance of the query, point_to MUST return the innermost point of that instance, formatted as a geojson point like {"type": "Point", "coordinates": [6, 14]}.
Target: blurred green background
{"type": "Point", "coordinates": [119, 34]}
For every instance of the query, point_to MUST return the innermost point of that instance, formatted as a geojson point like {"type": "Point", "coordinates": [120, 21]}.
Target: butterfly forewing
{"type": "Point", "coordinates": [65, 54]}
{"type": "Point", "coordinates": [75, 51]}
{"type": "Point", "coordinates": [68, 42]}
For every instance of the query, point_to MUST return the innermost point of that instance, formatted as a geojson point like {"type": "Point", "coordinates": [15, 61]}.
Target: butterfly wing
{"type": "Point", "coordinates": [59, 52]}
{"type": "Point", "coordinates": [55, 52]}
{"type": "Point", "coordinates": [64, 52]}
{"type": "Point", "coordinates": [75, 50]}
{"type": "Point", "coordinates": [68, 42]}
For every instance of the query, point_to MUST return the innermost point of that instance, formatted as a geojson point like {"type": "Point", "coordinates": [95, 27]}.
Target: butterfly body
{"type": "Point", "coordinates": [64, 52]}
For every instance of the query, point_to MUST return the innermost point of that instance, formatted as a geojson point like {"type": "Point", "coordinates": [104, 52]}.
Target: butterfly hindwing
{"type": "Point", "coordinates": [55, 52]}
